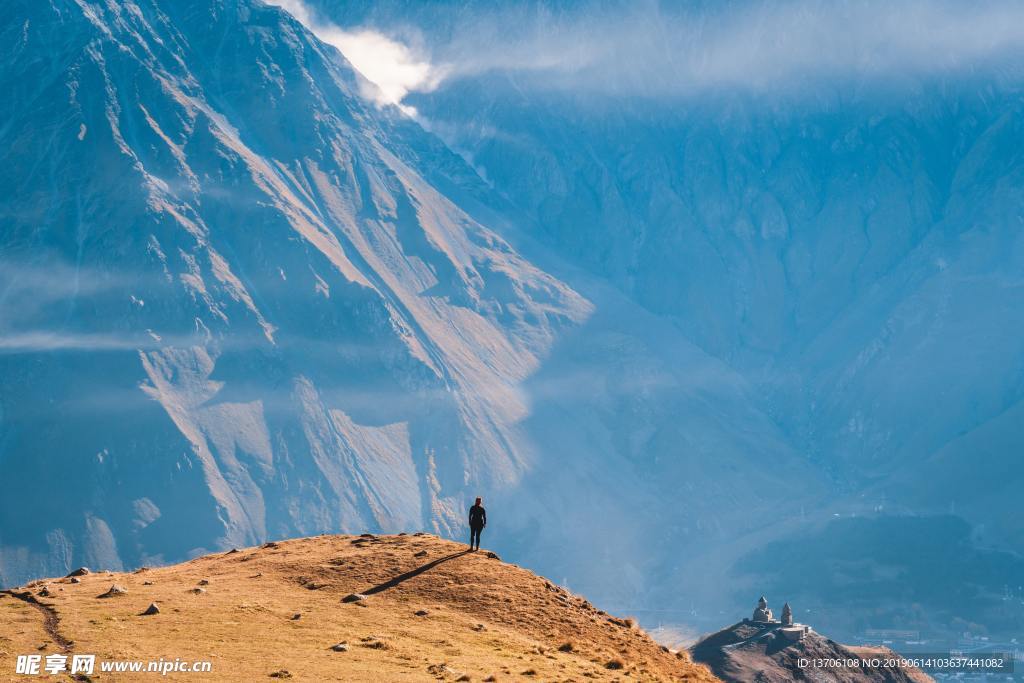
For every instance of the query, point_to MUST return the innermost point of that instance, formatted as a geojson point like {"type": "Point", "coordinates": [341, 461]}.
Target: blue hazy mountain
{"type": "Point", "coordinates": [691, 344]}
{"type": "Point", "coordinates": [240, 302]}
{"type": "Point", "coordinates": [845, 236]}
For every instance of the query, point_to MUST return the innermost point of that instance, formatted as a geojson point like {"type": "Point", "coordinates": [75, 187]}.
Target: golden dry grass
{"type": "Point", "coordinates": [484, 620]}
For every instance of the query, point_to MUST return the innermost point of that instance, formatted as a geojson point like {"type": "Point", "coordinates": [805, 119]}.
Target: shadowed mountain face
{"type": "Point", "coordinates": [857, 261]}
{"type": "Point", "coordinates": [849, 245]}
{"type": "Point", "coordinates": [838, 251]}
{"type": "Point", "coordinates": [238, 302]}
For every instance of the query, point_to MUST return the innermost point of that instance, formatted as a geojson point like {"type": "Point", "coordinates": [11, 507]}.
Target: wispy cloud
{"type": "Point", "coordinates": [755, 45]}
{"type": "Point", "coordinates": [658, 48]}
{"type": "Point", "coordinates": [390, 66]}
{"type": "Point", "coordinates": [51, 340]}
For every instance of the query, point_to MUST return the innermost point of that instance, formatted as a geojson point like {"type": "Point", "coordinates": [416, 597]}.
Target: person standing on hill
{"type": "Point", "coordinates": [477, 522]}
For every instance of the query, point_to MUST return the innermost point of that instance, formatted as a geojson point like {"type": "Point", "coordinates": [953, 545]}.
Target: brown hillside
{"type": "Point", "coordinates": [432, 611]}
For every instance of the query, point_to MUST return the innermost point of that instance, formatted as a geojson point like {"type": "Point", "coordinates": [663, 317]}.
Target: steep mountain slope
{"type": "Point", "coordinates": [431, 611]}
{"type": "Point", "coordinates": [226, 305]}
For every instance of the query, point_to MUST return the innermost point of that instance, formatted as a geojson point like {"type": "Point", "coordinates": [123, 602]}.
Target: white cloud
{"type": "Point", "coordinates": [391, 67]}
{"type": "Point", "coordinates": [654, 48]}
{"type": "Point", "coordinates": [41, 341]}
{"type": "Point", "coordinates": [670, 47]}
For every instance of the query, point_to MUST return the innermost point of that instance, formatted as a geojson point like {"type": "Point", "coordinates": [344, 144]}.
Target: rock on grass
{"type": "Point", "coordinates": [115, 591]}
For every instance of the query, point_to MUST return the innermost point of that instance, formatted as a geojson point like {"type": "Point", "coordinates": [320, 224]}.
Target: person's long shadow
{"type": "Point", "coordinates": [412, 573]}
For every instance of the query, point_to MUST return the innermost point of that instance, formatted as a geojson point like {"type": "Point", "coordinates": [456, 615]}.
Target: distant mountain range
{"type": "Point", "coordinates": [685, 347]}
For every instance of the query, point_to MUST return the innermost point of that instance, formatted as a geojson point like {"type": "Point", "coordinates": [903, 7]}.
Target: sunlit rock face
{"type": "Point", "coordinates": [230, 308]}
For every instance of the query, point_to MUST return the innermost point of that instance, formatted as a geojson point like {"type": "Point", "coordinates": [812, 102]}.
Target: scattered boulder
{"type": "Point", "coordinates": [353, 597]}
{"type": "Point", "coordinates": [151, 610]}
{"type": "Point", "coordinates": [613, 664]}
{"type": "Point", "coordinates": [204, 582]}
{"type": "Point", "coordinates": [479, 627]}
{"type": "Point", "coordinates": [367, 536]}
{"type": "Point", "coordinates": [422, 553]}
{"type": "Point", "coordinates": [232, 551]}
{"type": "Point", "coordinates": [147, 583]}
{"type": "Point", "coordinates": [270, 544]}
{"type": "Point", "coordinates": [115, 591]}
{"type": "Point", "coordinates": [493, 556]}
{"type": "Point", "coordinates": [197, 591]}
{"type": "Point", "coordinates": [45, 592]}
{"type": "Point", "coordinates": [296, 616]}
{"type": "Point", "coordinates": [565, 647]}
{"type": "Point", "coordinates": [75, 579]}
{"type": "Point", "coordinates": [81, 571]}
{"type": "Point", "coordinates": [421, 613]}
{"type": "Point", "coordinates": [340, 647]}
{"type": "Point", "coordinates": [281, 673]}
{"type": "Point", "coordinates": [628, 622]}
{"type": "Point", "coordinates": [443, 671]}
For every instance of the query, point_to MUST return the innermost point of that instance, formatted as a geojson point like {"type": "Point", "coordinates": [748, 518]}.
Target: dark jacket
{"type": "Point", "coordinates": [477, 517]}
